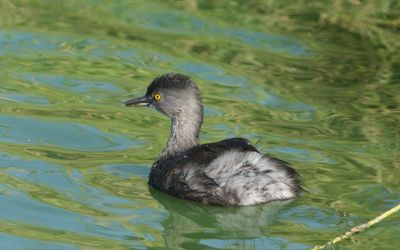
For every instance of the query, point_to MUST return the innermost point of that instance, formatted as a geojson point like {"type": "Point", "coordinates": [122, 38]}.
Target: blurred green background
{"type": "Point", "coordinates": [317, 82]}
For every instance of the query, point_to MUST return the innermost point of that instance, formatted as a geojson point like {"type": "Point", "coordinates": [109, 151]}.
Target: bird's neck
{"type": "Point", "coordinates": [185, 132]}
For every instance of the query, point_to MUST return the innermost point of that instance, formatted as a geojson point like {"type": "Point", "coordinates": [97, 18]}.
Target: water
{"type": "Point", "coordinates": [318, 92]}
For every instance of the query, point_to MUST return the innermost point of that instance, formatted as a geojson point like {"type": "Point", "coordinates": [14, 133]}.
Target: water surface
{"type": "Point", "coordinates": [302, 83]}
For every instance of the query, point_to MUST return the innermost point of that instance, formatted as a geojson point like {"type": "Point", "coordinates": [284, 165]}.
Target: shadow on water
{"type": "Point", "coordinates": [250, 219]}
{"type": "Point", "coordinates": [188, 223]}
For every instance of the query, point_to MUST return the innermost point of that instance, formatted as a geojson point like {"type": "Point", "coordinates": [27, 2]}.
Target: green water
{"type": "Point", "coordinates": [316, 84]}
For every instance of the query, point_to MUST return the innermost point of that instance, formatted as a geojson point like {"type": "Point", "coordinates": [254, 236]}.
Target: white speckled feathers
{"type": "Point", "coordinates": [253, 177]}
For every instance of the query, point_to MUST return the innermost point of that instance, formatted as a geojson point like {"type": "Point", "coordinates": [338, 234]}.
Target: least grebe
{"type": "Point", "coordinates": [230, 172]}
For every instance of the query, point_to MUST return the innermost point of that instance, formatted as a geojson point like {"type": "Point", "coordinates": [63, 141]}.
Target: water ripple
{"type": "Point", "coordinates": [24, 130]}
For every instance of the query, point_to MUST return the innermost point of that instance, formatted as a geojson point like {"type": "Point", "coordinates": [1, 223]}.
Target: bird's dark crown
{"type": "Point", "coordinates": [170, 81]}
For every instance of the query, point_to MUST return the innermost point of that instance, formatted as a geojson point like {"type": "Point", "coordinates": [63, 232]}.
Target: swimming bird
{"type": "Point", "coordinates": [231, 172]}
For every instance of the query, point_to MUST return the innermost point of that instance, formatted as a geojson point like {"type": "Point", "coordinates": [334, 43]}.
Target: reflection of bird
{"type": "Point", "coordinates": [231, 172]}
{"type": "Point", "coordinates": [188, 223]}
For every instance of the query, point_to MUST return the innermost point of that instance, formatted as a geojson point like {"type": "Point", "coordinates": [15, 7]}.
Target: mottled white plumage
{"type": "Point", "coordinates": [255, 178]}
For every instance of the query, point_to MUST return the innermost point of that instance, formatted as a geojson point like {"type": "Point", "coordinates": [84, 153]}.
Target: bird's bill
{"type": "Point", "coordinates": [138, 102]}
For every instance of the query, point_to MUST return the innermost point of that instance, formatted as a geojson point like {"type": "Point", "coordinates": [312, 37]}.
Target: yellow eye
{"type": "Point", "coordinates": [157, 97]}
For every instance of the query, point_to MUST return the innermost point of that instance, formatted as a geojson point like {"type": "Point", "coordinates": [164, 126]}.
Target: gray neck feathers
{"type": "Point", "coordinates": [185, 129]}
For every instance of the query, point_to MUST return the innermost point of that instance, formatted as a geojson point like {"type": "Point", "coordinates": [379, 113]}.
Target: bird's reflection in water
{"type": "Point", "coordinates": [188, 223]}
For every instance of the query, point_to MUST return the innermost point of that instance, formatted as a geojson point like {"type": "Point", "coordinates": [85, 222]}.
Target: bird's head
{"type": "Point", "coordinates": [173, 94]}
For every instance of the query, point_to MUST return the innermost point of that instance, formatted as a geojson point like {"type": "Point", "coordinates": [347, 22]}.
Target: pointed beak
{"type": "Point", "coordinates": [138, 102]}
